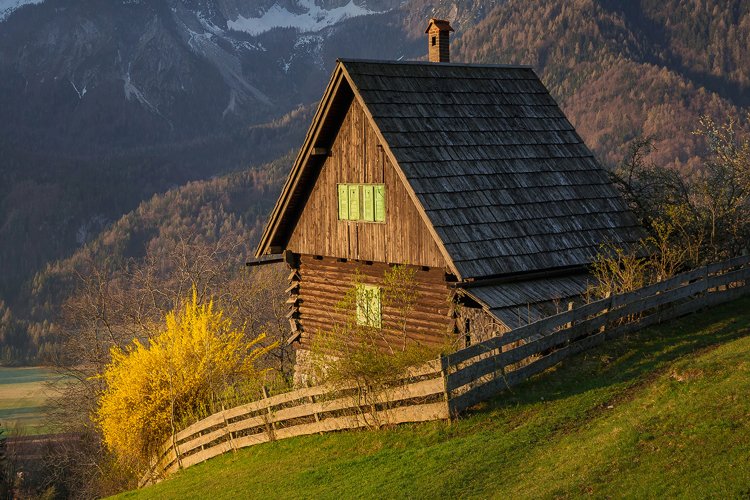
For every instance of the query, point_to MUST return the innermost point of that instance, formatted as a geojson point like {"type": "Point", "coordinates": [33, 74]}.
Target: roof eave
{"type": "Point", "coordinates": [523, 276]}
{"type": "Point", "coordinates": [272, 226]}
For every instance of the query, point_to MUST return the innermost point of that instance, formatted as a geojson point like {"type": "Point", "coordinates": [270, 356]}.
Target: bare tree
{"type": "Point", "coordinates": [693, 217]}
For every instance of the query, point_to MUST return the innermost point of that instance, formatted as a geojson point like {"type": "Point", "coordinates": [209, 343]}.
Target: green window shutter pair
{"type": "Point", "coordinates": [368, 306]}
{"type": "Point", "coordinates": [370, 206]}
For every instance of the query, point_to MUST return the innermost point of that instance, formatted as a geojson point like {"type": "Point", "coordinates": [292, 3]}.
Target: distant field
{"type": "Point", "coordinates": [23, 397]}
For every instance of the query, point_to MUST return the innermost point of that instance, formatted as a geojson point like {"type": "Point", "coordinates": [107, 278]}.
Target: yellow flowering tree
{"type": "Point", "coordinates": [151, 388]}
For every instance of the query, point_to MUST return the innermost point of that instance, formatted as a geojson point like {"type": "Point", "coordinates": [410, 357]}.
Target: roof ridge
{"type": "Point", "coordinates": [428, 63]}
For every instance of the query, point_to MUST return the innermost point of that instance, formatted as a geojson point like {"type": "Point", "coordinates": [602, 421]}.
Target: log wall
{"type": "Point", "coordinates": [358, 157]}
{"type": "Point", "coordinates": [324, 282]}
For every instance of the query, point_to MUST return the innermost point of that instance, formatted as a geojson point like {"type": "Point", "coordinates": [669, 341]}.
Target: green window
{"type": "Point", "coordinates": [343, 202]}
{"type": "Point", "coordinates": [364, 202]}
{"type": "Point", "coordinates": [368, 306]}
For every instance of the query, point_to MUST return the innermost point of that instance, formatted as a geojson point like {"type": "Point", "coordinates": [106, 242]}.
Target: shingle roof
{"type": "Point", "coordinates": [502, 175]}
{"type": "Point", "coordinates": [441, 24]}
{"type": "Point", "coordinates": [519, 303]}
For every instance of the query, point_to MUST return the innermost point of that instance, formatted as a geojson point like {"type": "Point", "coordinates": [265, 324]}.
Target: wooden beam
{"type": "Point", "coordinates": [267, 259]}
{"type": "Point", "coordinates": [295, 337]}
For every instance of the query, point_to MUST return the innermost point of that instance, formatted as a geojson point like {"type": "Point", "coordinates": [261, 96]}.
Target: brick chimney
{"type": "Point", "coordinates": [438, 38]}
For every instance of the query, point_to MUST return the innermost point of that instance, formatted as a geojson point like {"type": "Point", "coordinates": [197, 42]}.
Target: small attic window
{"type": "Point", "coordinates": [434, 41]}
{"type": "Point", "coordinates": [361, 202]}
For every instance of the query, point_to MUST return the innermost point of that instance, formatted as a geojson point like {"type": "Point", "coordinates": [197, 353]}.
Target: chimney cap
{"type": "Point", "coordinates": [440, 24]}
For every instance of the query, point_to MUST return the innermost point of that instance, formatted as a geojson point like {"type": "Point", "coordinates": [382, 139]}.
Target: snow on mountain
{"type": "Point", "coordinates": [313, 19]}
{"type": "Point", "coordinates": [8, 6]}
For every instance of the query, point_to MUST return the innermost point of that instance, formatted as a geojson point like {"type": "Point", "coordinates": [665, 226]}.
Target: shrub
{"type": "Point", "coordinates": [151, 388]}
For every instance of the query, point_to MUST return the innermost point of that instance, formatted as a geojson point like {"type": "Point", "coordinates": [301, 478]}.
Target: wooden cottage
{"type": "Point", "coordinates": [470, 174]}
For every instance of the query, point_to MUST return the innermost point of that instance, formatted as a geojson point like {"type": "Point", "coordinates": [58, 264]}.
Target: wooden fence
{"type": "Point", "coordinates": [418, 396]}
{"type": "Point", "coordinates": [480, 371]}
{"type": "Point", "coordinates": [444, 388]}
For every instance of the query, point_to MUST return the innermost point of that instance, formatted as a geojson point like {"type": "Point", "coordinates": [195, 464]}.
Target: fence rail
{"type": "Point", "coordinates": [418, 396]}
{"type": "Point", "coordinates": [445, 387]}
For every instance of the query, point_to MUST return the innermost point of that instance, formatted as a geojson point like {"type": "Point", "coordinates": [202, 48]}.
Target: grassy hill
{"type": "Point", "coordinates": [663, 413]}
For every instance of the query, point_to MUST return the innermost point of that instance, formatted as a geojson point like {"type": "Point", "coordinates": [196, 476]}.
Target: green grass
{"type": "Point", "coordinates": [23, 396]}
{"type": "Point", "coordinates": [663, 413]}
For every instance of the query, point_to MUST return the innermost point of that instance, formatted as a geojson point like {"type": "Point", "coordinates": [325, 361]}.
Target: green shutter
{"type": "Point", "coordinates": [354, 213]}
{"type": "Point", "coordinates": [368, 203]}
{"type": "Point", "coordinates": [380, 203]}
{"type": "Point", "coordinates": [343, 202]}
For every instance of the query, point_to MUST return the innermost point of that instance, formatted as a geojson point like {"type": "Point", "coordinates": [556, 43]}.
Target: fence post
{"type": "Point", "coordinates": [270, 427]}
{"type": "Point", "coordinates": [226, 426]}
{"type": "Point", "coordinates": [312, 400]}
{"type": "Point", "coordinates": [444, 364]}
{"type": "Point", "coordinates": [176, 450]}
{"type": "Point", "coordinates": [569, 324]}
{"type": "Point", "coordinates": [705, 281]}
{"type": "Point", "coordinates": [606, 311]}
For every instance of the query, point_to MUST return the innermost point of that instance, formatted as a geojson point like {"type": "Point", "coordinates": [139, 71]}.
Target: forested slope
{"type": "Point", "coordinates": [624, 70]}
{"type": "Point", "coordinates": [231, 208]}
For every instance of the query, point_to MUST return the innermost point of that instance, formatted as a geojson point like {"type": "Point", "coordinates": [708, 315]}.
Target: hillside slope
{"type": "Point", "coordinates": [663, 413]}
{"type": "Point", "coordinates": [231, 207]}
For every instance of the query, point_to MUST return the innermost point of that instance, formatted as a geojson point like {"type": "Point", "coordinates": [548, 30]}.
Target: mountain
{"type": "Point", "coordinates": [105, 106]}
{"type": "Point", "coordinates": [86, 76]}
{"type": "Point", "coordinates": [106, 103]}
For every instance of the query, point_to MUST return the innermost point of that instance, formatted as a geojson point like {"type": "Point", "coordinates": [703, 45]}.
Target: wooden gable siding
{"type": "Point", "coordinates": [323, 283]}
{"type": "Point", "coordinates": [356, 156]}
